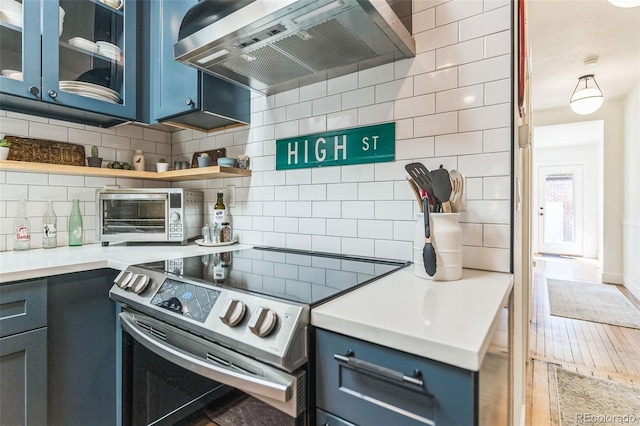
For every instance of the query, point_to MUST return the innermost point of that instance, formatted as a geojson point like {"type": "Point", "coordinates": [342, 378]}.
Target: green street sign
{"type": "Point", "coordinates": [370, 144]}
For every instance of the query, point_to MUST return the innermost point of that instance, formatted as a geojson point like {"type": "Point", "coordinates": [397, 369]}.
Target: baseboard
{"type": "Point", "coordinates": [634, 288]}
{"type": "Point", "coordinates": [612, 278]}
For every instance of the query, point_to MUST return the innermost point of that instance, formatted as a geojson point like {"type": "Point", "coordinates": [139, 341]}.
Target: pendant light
{"type": "Point", "coordinates": [587, 97]}
{"type": "Point", "coordinates": [625, 3]}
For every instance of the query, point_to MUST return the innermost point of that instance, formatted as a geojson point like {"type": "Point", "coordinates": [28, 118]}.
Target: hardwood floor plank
{"type": "Point", "coordinates": [599, 350]}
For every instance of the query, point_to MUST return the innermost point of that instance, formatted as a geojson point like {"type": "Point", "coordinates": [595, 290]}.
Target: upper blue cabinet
{"type": "Point", "coordinates": [73, 60]}
{"type": "Point", "coordinates": [178, 94]}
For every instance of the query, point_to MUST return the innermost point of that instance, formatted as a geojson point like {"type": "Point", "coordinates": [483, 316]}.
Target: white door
{"type": "Point", "coordinates": [560, 210]}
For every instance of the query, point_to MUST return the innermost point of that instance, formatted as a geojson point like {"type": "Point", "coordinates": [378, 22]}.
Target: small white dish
{"type": "Point", "coordinates": [84, 44]}
{"type": "Point", "coordinates": [201, 242]}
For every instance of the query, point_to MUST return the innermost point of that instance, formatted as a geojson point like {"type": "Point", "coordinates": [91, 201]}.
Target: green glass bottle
{"type": "Point", "coordinates": [76, 235]}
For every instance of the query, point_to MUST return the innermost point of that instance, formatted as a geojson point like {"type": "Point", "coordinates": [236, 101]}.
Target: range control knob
{"type": "Point", "coordinates": [139, 283]}
{"type": "Point", "coordinates": [175, 216]}
{"type": "Point", "coordinates": [123, 278]}
{"type": "Point", "coordinates": [263, 321]}
{"type": "Point", "coordinates": [232, 312]}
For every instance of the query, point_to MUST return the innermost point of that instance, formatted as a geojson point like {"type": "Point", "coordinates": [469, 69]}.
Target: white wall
{"type": "Point", "coordinates": [611, 113]}
{"type": "Point", "coordinates": [631, 219]}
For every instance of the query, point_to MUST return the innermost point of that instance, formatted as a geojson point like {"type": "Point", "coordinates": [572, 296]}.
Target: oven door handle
{"type": "Point", "coordinates": [277, 387]}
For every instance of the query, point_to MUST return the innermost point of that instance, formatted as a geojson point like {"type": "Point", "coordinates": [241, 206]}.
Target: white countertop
{"type": "Point", "coordinates": [448, 321]}
{"type": "Point", "coordinates": [36, 263]}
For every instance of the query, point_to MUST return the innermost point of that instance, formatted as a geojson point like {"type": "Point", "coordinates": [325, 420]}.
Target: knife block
{"type": "Point", "coordinates": [446, 237]}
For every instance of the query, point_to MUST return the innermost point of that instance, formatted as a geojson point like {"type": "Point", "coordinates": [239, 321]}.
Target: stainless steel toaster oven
{"type": "Point", "coordinates": [148, 215]}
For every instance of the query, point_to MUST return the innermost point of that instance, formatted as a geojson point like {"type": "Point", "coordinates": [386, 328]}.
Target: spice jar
{"type": "Point", "coordinates": [225, 232]}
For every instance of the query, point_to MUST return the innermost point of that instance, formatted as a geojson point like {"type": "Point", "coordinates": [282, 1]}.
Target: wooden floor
{"type": "Point", "coordinates": [595, 349]}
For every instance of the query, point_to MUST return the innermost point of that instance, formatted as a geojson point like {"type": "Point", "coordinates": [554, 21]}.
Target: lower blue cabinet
{"type": "Point", "coordinates": [360, 383]}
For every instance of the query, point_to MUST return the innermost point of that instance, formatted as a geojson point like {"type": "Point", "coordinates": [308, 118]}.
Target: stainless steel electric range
{"type": "Point", "coordinates": [228, 330]}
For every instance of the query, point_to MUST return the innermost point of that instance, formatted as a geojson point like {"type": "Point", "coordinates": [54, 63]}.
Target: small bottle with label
{"type": "Point", "coordinates": [49, 227]}
{"type": "Point", "coordinates": [219, 210]}
{"type": "Point", "coordinates": [76, 237]}
{"type": "Point", "coordinates": [138, 160]}
{"type": "Point", "coordinates": [22, 228]}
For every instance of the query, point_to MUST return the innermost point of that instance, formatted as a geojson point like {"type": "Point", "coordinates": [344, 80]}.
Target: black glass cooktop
{"type": "Point", "coordinates": [298, 276]}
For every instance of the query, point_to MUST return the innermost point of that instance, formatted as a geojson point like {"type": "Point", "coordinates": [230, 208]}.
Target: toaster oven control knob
{"type": "Point", "coordinates": [139, 283]}
{"type": "Point", "coordinates": [175, 216]}
{"type": "Point", "coordinates": [263, 321]}
{"type": "Point", "coordinates": [232, 312]}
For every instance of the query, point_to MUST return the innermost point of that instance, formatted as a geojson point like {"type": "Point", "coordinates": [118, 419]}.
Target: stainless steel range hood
{"type": "Point", "coordinates": [276, 45]}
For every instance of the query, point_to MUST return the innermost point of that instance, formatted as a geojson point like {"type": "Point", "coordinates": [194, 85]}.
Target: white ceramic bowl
{"type": "Point", "coordinates": [162, 167]}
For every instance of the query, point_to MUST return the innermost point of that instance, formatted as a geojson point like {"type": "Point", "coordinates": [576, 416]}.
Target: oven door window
{"type": "Point", "coordinates": [134, 216]}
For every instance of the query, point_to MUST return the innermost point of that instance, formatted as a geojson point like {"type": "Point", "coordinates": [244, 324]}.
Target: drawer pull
{"type": "Point", "coordinates": [380, 371]}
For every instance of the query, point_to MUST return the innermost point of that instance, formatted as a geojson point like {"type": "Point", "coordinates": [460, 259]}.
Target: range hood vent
{"type": "Point", "coordinates": [276, 45]}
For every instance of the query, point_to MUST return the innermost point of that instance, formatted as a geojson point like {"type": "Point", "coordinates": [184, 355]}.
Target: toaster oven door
{"type": "Point", "coordinates": [133, 217]}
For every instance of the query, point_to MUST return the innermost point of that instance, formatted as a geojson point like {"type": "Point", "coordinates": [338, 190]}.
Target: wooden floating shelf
{"type": "Point", "coordinates": [211, 172]}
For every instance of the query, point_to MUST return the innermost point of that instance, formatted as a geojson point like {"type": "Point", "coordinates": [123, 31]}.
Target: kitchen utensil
{"type": "Point", "coordinates": [457, 188]}
{"type": "Point", "coordinates": [428, 252]}
{"type": "Point", "coordinates": [422, 177]}
{"type": "Point", "coordinates": [442, 187]}
{"type": "Point", "coordinates": [414, 189]}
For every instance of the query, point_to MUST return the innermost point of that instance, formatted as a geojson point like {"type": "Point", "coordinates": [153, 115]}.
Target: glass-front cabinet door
{"type": "Point", "coordinates": [20, 48]}
{"type": "Point", "coordinates": [73, 53]}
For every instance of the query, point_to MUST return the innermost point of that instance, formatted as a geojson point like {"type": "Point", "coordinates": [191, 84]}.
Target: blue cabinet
{"type": "Point", "coordinates": [23, 353]}
{"type": "Point", "coordinates": [360, 383]}
{"type": "Point", "coordinates": [73, 60]}
{"type": "Point", "coordinates": [178, 94]}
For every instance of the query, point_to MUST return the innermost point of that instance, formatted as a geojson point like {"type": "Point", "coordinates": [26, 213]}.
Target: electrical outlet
{"type": "Point", "coordinates": [230, 195]}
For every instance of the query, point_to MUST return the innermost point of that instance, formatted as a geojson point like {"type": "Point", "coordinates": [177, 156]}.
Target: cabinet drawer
{"type": "Point", "coordinates": [23, 306]}
{"type": "Point", "coordinates": [328, 419]}
{"type": "Point", "coordinates": [367, 384]}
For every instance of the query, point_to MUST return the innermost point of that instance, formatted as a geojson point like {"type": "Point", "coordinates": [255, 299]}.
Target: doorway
{"type": "Point", "coordinates": [567, 189]}
{"type": "Point", "coordinates": [560, 210]}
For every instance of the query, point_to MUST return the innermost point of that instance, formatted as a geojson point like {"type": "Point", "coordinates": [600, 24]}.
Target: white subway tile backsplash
{"type": "Point", "coordinates": [497, 92]}
{"type": "Point", "coordinates": [390, 171]}
{"type": "Point", "coordinates": [375, 191]}
{"type": "Point", "coordinates": [402, 250]}
{"type": "Point", "coordinates": [298, 241]}
{"type": "Point", "coordinates": [497, 44]}
{"type": "Point", "coordinates": [374, 114]}
{"type": "Point", "coordinates": [437, 124]}
{"type": "Point", "coordinates": [489, 259]}
{"type": "Point", "coordinates": [273, 178]}
{"type": "Point", "coordinates": [471, 234]}
{"type": "Point", "coordinates": [325, 175]}
{"type": "Point", "coordinates": [326, 209]}
{"type": "Point", "coordinates": [58, 193]}
{"type": "Point", "coordinates": [494, 164]}
{"type": "Point", "coordinates": [461, 53]}
{"type": "Point", "coordinates": [473, 186]}
{"type": "Point", "coordinates": [394, 90]}
{"type": "Point", "coordinates": [423, 20]}
{"type": "Point", "coordinates": [414, 148]}
{"type": "Point", "coordinates": [376, 75]}
{"type": "Point", "coordinates": [312, 192]}
{"type": "Point", "coordinates": [494, 4]}
{"type": "Point", "coordinates": [486, 23]}
{"type": "Point", "coordinates": [66, 180]}
{"type": "Point", "coordinates": [287, 98]}
{"type": "Point", "coordinates": [445, 35]}
{"type": "Point", "coordinates": [488, 117]}
{"type": "Point", "coordinates": [459, 99]}
{"type": "Point", "coordinates": [358, 173]}
{"type": "Point", "coordinates": [314, 226]}
{"type": "Point", "coordinates": [358, 210]}
{"type": "Point", "coordinates": [342, 84]}
{"type": "Point", "coordinates": [298, 208]}
{"type": "Point", "coordinates": [484, 71]}
{"type": "Point", "coordinates": [456, 10]}
{"type": "Point", "coordinates": [326, 244]}
{"type": "Point", "coordinates": [375, 229]}
{"type": "Point", "coordinates": [405, 230]}
{"type": "Point", "coordinates": [358, 98]}
{"type": "Point", "coordinates": [300, 110]}
{"type": "Point", "coordinates": [272, 116]}
{"type": "Point", "coordinates": [458, 144]}
{"type": "Point", "coordinates": [342, 119]}
{"type": "Point", "coordinates": [297, 176]}
{"type": "Point", "coordinates": [404, 129]}
{"type": "Point", "coordinates": [421, 63]}
{"type": "Point", "coordinates": [394, 210]}
{"type": "Point", "coordinates": [14, 126]}
{"type": "Point", "coordinates": [14, 192]}
{"type": "Point", "coordinates": [26, 178]}
{"type": "Point", "coordinates": [313, 91]}
{"type": "Point", "coordinates": [358, 246]}
{"type": "Point", "coordinates": [497, 188]}
{"type": "Point", "coordinates": [327, 104]}
{"type": "Point", "coordinates": [342, 227]}
{"type": "Point", "coordinates": [414, 107]}
{"type": "Point", "coordinates": [495, 140]}
{"type": "Point", "coordinates": [286, 224]}
{"type": "Point", "coordinates": [342, 191]}
{"type": "Point", "coordinates": [48, 131]}
{"type": "Point", "coordinates": [497, 236]}
{"type": "Point", "coordinates": [436, 81]}
{"type": "Point", "coordinates": [480, 211]}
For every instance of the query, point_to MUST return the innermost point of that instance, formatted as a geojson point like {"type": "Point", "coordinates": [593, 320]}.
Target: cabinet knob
{"type": "Point", "coordinates": [34, 90]}
{"type": "Point", "coordinates": [52, 94]}
{"type": "Point", "coordinates": [189, 101]}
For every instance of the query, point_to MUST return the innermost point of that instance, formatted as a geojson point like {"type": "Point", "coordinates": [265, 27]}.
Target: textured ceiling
{"type": "Point", "coordinates": [563, 33]}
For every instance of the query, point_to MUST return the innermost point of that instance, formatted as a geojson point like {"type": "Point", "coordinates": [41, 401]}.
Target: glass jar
{"type": "Point", "coordinates": [225, 232]}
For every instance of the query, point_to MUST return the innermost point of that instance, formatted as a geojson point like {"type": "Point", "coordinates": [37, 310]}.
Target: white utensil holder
{"type": "Point", "coordinates": [446, 237]}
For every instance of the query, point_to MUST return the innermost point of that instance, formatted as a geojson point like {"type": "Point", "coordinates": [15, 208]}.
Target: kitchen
{"type": "Point", "coordinates": [451, 105]}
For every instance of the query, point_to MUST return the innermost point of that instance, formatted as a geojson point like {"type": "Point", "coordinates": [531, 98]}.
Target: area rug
{"type": "Point", "coordinates": [594, 302]}
{"type": "Point", "coordinates": [587, 400]}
